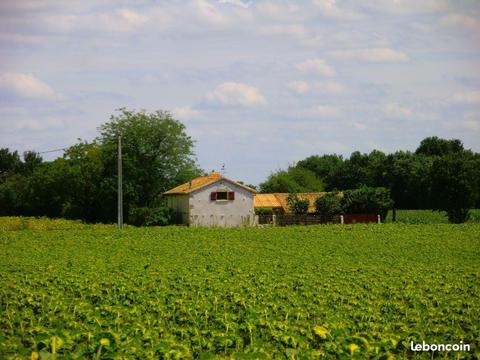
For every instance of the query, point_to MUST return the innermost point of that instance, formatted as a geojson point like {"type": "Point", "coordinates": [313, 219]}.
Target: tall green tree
{"type": "Point", "coordinates": [47, 189]}
{"type": "Point", "coordinates": [407, 175]}
{"type": "Point", "coordinates": [293, 180]}
{"type": "Point", "coordinates": [91, 197]}
{"type": "Point", "coordinates": [31, 161]}
{"type": "Point", "coordinates": [352, 173]}
{"type": "Point", "coordinates": [157, 155]}
{"type": "Point", "coordinates": [322, 166]}
{"type": "Point", "coordinates": [9, 162]}
{"type": "Point", "coordinates": [435, 146]}
{"type": "Point", "coordinates": [455, 186]}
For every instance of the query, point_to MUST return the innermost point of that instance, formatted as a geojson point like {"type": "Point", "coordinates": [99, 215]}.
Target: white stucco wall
{"type": "Point", "coordinates": [229, 213]}
{"type": "Point", "coordinates": [179, 204]}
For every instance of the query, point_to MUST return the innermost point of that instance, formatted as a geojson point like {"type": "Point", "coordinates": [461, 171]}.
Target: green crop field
{"type": "Point", "coordinates": [331, 291]}
{"type": "Point", "coordinates": [428, 217]}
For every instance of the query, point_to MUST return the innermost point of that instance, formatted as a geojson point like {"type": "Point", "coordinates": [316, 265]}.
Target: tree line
{"type": "Point", "coordinates": [440, 174]}
{"type": "Point", "coordinates": [158, 155]}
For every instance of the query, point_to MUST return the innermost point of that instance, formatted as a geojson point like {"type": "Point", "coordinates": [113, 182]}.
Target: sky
{"type": "Point", "coordinates": [259, 85]}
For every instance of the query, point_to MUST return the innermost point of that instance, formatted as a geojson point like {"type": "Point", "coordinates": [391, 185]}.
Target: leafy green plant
{"type": "Point", "coordinates": [328, 206]}
{"type": "Point", "coordinates": [296, 205]}
{"type": "Point", "coordinates": [264, 211]}
{"type": "Point", "coordinates": [143, 216]}
{"type": "Point", "coordinates": [367, 200]}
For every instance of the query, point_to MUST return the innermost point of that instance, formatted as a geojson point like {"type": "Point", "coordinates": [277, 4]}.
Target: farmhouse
{"type": "Point", "coordinates": [212, 200]}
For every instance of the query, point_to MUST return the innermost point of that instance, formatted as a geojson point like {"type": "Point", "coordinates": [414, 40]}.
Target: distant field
{"type": "Point", "coordinates": [32, 223]}
{"type": "Point", "coordinates": [428, 217]}
{"type": "Point", "coordinates": [14, 223]}
{"type": "Point", "coordinates": [296, 292]}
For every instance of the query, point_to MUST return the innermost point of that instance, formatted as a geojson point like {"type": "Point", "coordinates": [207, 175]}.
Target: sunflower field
{"type": "Point", "coordinates": [326, 291]}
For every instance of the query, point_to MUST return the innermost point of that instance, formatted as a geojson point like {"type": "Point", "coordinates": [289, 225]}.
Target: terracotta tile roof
{"type": "Point", "coordinates": [202, 181]}
{"type": "Point", "coordinates": [266, 200]}
{"type": "Point", "coordinates": [277, 200]}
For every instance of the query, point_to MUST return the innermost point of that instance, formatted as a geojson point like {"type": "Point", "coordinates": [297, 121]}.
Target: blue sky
{"type": "Point", "coordinates": [259, 84]}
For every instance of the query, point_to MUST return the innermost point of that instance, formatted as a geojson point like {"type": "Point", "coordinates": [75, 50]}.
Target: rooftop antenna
{"type": "Point", "coordinates": [223, 171]}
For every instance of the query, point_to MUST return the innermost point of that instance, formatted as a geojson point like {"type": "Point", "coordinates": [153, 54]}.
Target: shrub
{"type": "Point", "coordinates": [458, 215]}
{"type": "Point", "coordinates": [144, 216]}
{"type": "Point", "coordinates": [367, 200]}
{"type": "Point", "coordinates": [264, 211]}
{"type": "Point", "coordinates": [328, 206]}
{"type": "Point", "coordinates": [296, 205]}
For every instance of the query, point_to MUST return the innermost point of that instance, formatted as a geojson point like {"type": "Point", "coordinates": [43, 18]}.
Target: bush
{"type": "Point", "coordinates": [144, 216]}
{"type": "Point", "coordinates": [264, 211]}
{"type": "Point", "coordinates": [328, 206]}
{"type": "Point", "coordinates": [296, 205]}
{"type": "Point", "coordinates": [458, 215]}
{"type": "Point", "coordinates": [367, 200]}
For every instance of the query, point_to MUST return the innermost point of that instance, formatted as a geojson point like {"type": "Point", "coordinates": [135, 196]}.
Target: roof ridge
{"type": "Point", "coordinates": [202, 181]}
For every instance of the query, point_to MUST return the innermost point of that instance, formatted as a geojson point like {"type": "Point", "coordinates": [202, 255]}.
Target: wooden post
{"type": "Point", "coordinates": [394, 215]}
{"type": "Point", "coordinates": [120, 185]}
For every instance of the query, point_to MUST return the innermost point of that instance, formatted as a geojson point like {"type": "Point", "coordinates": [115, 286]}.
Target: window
{"type": "Point", "coordinates": [222, 195]}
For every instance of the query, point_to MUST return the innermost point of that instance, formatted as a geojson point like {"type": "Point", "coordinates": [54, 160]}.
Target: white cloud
{"type": "Point", "coordinates": [384, 54]}
{"type": "Point", "coordinates": [236, 94]}
{"type": "Point", "coordinates": [82, 23]}
{"type": "Point", "coordinates": [120, 20]}
{"type": "Point", "coordinates": [316, 67]}
{"type": "Point", "coordinates": [373, 145]}
{"type": "Point", "coordinates": [208, 12]}
{"type": "Point", "coordinates": [334, 147]}
{"type": "Point", "coordinates": [469, 97]}
{"type": "Point", "coordinates": [298, 31]}
{"type": "Point", "coordinates": [299, 87]}
{"type": "Point", "coordinates": [359, 125]}
{"type": "Point", "coordinates": [236, 3]}
{"type": "Point", "coordinates": [39, 124]}
{"type": "Point", "coordinates": [459, 20]}
{"type": "Point", "coordinates": [395, 110]}
{"type": "Point", "coordinates": [329, 8]}
{"type": "Point", "coordinates": [131, 18]}
{"type": "Point", "coordinates": [185, 112]}
{"type": "Point", "coordinates": [281, 12]}
{"type": "Point", "coordinates": [26, 86]}
{"type": "Point", "coordinates": [323, 111]}
{"type": "Point", "coordinates": [331, 87]}
{"type": "Point", "coordinates": [471, 121]}
{"type": "Point", "coordinates": [471, 124]}
{"type": "Point", "coordinates": [198, 17]}
{"type": "Point", "coordinates": [407, 7]}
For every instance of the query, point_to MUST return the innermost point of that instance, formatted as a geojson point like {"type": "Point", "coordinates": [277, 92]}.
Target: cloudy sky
{"type": "Point", "coordinates": [259, 84]}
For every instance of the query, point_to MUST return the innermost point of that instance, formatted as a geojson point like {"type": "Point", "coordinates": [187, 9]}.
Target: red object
{"type": "Point", "coordinates": [213, 196]}
{"type": "Point", "coordinates": [360, 218]}
{"type": "Point", "coordinates": [231, 195]}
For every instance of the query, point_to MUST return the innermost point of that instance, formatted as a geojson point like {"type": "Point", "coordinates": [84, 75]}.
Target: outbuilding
{"type": "Point", "coordinates": [212, 200]}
